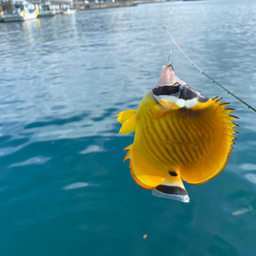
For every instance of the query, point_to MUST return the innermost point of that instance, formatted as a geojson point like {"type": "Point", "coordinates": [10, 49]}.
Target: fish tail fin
{"type": "Point", "coordinates": [172, 188]}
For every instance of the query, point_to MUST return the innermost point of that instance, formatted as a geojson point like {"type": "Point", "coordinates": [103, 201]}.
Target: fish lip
{"type": "Point", "coordinates": [168, 77]}
{"type": "Point", "coordinates": [170, 66]}
{"type": "Point", "coordinates": [168, 88]}
{"type": "Point", "coordinates": [166, 84]}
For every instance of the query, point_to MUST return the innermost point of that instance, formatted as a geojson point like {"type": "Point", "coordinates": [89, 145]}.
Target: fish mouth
{"type": "Point", "coordinates": [168, 88]}
{"type": "Point", "coordinates": [168, 77]}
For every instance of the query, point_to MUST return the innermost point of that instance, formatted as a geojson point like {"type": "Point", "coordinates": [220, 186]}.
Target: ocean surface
{"type": "Point", "coordinates": [64, 188]}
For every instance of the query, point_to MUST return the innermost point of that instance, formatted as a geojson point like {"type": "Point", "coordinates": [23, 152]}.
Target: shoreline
{"type": "Point", "coordinates": [80, 6]}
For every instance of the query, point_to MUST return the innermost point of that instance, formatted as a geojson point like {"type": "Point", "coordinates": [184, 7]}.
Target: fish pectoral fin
{"type": "Point", "coordinates": [168, 104]}
{"type": "Point", "coordinates": [172, 188]}
{"type": "Point", "coordinates": [125, 115]}
{"type": "Point", "coordinates": [159, 112]}
{"type": "Point", "coordinates": [129, 125]}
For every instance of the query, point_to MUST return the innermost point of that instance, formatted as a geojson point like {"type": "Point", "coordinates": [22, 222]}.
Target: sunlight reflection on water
{"type": "Point", "coordinates": [62, 81]}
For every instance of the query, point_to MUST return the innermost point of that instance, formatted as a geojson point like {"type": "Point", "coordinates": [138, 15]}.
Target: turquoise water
{"type": "Point", "coordinates": [64, 189]}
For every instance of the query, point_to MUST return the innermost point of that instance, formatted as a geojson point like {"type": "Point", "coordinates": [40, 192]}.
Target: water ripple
{"type": "Point", "coordinates": [62, 81]}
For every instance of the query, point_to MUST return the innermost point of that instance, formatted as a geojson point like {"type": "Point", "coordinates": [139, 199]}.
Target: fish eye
{"type": "Point", "coordinates": [167, 89]}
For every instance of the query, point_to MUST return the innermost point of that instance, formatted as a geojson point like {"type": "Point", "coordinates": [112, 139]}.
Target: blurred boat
{"type": "Point", "coordinates": [1, 14]}
{"type": "Point", "coordinates": [46, 10]}
{"type": "Point", "coordinates": [17, 11]}
{"type": "Point", "coordinates": [69, 11]}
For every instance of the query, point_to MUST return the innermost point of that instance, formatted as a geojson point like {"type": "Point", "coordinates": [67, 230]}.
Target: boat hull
{"type": "Point", "coordinates": [69, 12]}
{"type": "Point", "coordinates": [43, 14]}
{"type": "Point", "coordinates": [18, 18]}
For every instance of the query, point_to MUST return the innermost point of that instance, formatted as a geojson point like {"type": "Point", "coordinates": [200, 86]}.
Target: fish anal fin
{"type": "Point", "coordinates": [172, 188]}
{"type": "Point", "coordinates": [129, 125]}
{"type": "Point", "coordinates": [159, 112]}
{"type": "Point", "coordinates": [125, 115]}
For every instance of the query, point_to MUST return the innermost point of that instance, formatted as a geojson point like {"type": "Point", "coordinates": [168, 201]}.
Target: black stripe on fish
{"type": "Point", "coordinates": [186, 92]}
{"type": "Point", "coordinates": [166, 89]}
{"type": "Point", "coordinates": [171, 190]}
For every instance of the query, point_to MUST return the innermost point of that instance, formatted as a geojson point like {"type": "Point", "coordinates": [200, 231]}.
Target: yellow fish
{"type": "Point", "coordinates": [179, 135]}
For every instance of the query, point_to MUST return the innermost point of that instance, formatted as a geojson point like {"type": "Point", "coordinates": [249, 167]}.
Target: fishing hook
{"type": "Point", "coordinates": [170, 64]}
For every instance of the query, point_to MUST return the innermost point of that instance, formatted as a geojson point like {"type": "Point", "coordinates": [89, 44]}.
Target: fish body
{"type": "Point", "coordinates": [179, 135]}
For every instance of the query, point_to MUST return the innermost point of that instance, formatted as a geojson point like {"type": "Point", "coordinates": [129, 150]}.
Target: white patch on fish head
{"type": "Point", "coordinates": [187, 103]}
{"type": "Point", "coordinates": [167, 101]}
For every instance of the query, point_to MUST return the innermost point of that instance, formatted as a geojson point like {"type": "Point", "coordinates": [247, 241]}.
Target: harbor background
{"type": "Point", "coordinates": [64, 189]}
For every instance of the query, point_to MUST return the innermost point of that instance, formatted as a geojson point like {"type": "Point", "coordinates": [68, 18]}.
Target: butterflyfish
{"type": "Point", "coordinates": [179, 135]}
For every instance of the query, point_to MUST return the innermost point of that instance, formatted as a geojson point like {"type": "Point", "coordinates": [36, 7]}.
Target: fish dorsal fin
{"type": "Point", "coordinates": [172, 188]}
{"type": "Point", "coordinates": [129, 125]}
{"type": "Point", "coordinates": [125, 115]}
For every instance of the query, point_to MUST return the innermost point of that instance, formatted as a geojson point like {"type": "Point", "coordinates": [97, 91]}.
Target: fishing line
{"type": "Point", "coordinates": [171, 19]}
{"type": "Point", "coordinates": [210, 78]}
